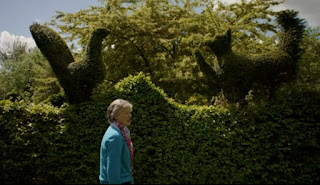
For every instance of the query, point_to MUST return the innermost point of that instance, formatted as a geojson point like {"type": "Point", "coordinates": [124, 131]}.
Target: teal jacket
{"type": "Point", "coordinates": [115, 163]}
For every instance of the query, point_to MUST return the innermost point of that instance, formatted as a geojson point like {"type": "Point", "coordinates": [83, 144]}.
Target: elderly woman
{"type": "Point", "coordinates": [116, 152]}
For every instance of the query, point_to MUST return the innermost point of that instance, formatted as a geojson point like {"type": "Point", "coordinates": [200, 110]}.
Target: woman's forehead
{"type": "Point", "coordinates": [127, 108]}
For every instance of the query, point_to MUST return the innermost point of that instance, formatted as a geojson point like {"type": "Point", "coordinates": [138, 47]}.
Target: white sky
{"type": "Point", "coordinates": [17, 15]}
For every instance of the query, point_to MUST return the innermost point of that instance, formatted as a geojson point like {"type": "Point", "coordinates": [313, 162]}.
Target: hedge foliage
{"type": "Point", "coordinates": [174, 143]}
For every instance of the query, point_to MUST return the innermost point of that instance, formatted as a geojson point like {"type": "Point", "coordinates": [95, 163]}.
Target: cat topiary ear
{"type": "Point", "coordinates": [221, 45]}
{"type": "Point", "coordinates": [229, 34]}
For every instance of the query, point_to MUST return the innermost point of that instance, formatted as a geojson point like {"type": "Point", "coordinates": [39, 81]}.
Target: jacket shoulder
{"type": "Point", "coordinates": [113, 134]}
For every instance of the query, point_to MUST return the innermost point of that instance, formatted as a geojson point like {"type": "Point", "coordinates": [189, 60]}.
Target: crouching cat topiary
{"type": "Point", "coordinates": [242, 74]}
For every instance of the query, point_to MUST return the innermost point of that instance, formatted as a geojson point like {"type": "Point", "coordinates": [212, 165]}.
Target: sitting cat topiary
{"type": "Point", "coordinates": [76, 78]}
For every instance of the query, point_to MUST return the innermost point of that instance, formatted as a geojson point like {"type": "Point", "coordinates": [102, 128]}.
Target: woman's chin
{"type": "Point", "coordinates": [128, 124]}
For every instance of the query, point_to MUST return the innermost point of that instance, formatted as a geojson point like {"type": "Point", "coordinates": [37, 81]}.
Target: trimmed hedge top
{"type": "Point", "coordinates": [174, 143]}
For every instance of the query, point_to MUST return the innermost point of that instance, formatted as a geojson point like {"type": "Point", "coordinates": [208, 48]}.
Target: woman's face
{"type": "Point", "coordinates": [124, 116]}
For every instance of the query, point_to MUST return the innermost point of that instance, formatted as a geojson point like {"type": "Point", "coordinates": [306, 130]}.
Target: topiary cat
{"type": "Point", "coordinates": [241, 74]}
{"type": "Point", "coordinates": [76, 78]}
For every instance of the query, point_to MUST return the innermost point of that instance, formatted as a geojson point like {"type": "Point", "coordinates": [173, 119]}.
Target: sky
{"type": "Point", "coordinates": [17, 15]}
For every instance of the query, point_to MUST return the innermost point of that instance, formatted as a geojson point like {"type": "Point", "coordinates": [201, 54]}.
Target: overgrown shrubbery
{"type": "Point", "coordinates": [274, 143]}
{"type": "Point", "coordinates": [27, 76]}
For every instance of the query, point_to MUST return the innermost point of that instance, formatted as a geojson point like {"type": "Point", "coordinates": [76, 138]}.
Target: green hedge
{"type": "Point", "coordinates": [274, 143]}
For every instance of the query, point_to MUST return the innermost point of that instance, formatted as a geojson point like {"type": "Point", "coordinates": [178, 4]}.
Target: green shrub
{"type": "Point", "coordinates": [174, 143]}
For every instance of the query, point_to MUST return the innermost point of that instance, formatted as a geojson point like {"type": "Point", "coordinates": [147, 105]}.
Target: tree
{"type": "Point", "coordinates": [21, 73]}
{"type": "Point", "coordinates": [309, 67]}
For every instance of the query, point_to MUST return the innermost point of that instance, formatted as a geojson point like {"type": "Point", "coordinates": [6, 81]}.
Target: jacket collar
{"type": "Point", "coordinates": [113, 125]}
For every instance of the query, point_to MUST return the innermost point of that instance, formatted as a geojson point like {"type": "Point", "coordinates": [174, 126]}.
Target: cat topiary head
{"type": "Point", "coordinates": [102, 32]}
{"type": "Point", "coordinates": [221, 45]}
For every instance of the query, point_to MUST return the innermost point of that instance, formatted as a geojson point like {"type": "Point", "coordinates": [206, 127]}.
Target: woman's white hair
{"type": "Point", "coordinates": [115, 107]}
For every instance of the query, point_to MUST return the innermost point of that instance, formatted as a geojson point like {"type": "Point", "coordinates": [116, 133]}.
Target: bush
{"type": "Point", "coordinates": [174, 143]}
